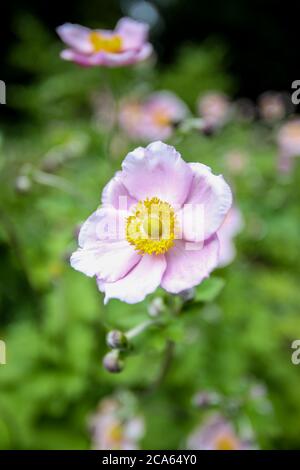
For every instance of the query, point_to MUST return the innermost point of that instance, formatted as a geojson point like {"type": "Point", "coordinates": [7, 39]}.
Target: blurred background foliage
{"type": "Point", "coordinates": [234, 339]}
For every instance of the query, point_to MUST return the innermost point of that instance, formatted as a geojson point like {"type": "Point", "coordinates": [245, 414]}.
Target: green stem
{"type": "Point", "coordinates": [140, 328]}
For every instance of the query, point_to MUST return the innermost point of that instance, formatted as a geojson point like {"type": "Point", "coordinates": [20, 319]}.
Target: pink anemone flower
{"type": "Point", "coordinates": [110, 432]}
{"type": "Point", "coordinates": [154, 118]}
{"type": "Point", "coordinates": [216, 434]}
{"type": "Point", "coordinates": [215, 109]}
{"type": "Point", "coordinates": [125, 45]}
{"type": "Point", "coordinates": [232, 225]}
{"type": "Point", "coordinates": [157, 226]}
{"type": "Point", "coordinates": [289, 144]}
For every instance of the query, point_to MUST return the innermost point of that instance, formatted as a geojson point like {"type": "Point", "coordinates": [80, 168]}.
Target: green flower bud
{"type": "Point", "coordinates": [115, 339]}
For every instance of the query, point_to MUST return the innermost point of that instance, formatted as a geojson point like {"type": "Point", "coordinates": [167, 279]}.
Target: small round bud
{"type": "Point", "coordinates": [22, 184]}
{"type": "Point", "coordinates": [156, 307]}
{"type": "Point", "coordinates": [187, 294]}
{"type": "Point", "coordinates": [115, 339]}
{"type": "Point", "coordinates": [206, 399]}
{"type": "Point", "coordinates": [112, 362]}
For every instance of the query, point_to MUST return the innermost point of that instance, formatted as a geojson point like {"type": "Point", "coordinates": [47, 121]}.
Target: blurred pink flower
{"type": "Point", "coordinates": [236, 161]}
{"type": "Point", "coordinates": [153, 118]}
{"type": "Point", "coordinates": [232, 225]}
{"type": "Point", "coordinates": [111, 432]}
{"type": "Point", "coordinates": [157, 226]}
{"type": "Point", "coordinates": [272, 106]}
{"type": "Point", "coordinates": [215, 109]}
{"type": "Point", "coordinates": [216, 434]}
{"type": "Point", "coordinates": [125, 45]}
{"type": "Point", "coordinates": [288, 139]}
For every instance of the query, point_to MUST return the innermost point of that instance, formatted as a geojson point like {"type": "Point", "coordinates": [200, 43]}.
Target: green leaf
{"type": "Point", "coordinates": [209, 289]}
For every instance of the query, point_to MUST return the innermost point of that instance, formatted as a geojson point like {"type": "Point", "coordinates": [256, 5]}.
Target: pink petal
{"type": "Point", "coordinates": [134, 33]}
{"type": "Point", "coordinates": [78, 57]}
{"type": "Point", "coordinates": [232, 225]}
{"type": "Point", "coordinates": [116, 194]}
{"type": "Point", "coordinates": [188, 265]}
{"type": "Point", "coordinates": [167, 103]}
{"type": "Point", "coordinates": [143, 279]}
{"type": "Point", "coordinates": [104, 224]}
{"type": "Point", "coordinates": [108, 260]}
{"type": "Point", "coordinates": [157, 170]}
{"type": "Point", "coordinates": [211, 196]}
{"type": "Point", "coordinates": [76, 36]}
{"type": "Point", "coordinates": [107, 59]}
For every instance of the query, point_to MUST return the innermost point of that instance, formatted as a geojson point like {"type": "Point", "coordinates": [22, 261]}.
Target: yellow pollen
{"type": "Point", "coordinates": [161, 118]}
{"type": "Point", "coordinates": [104, 43]}
{"type": "Point", "coordinates": [151, 229]}
{"type": "Point", "coordinates": [226, 442]}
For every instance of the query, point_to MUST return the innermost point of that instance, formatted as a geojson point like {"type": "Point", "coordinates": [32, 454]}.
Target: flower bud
{"type": "Point", "coordinates": [156, 307]}
{"type": "Point", "coordinates": [112, 362]}
{"type": "Point", "coordinates": [115, 339]}
{"type": "Point", "coordinates": [187, 294]}
{"type": "Point", "coordinates": [206, 399]}
{"type": "Point", "coordinates": [22, 184]}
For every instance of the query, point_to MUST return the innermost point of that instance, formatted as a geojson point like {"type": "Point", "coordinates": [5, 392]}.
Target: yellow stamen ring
{"type": "Point", "coordinates": [104, 43]}
{"type": "Point", "coordinates": [151, 229]}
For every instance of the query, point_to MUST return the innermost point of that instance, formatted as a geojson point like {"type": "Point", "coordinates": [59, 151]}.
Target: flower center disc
{"type": "Point", "coordinates": [151, 228]}
{"type": "Point", "coordinates": [161, 118]}
{"type": "Point", "coordinates": [104, 43]}
{"type": "Point", "coordinates": [226, 442]}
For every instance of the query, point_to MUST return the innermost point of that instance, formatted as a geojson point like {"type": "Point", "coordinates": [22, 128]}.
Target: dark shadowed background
{"type": "Point", "coordinates": [261, 36]}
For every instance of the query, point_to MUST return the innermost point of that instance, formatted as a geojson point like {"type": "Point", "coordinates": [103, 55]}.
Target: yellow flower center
{"type": "Point", "coordinates": [161, 118]}
{"type": "Point", "coordinates": [104, 43]}
{"type": "Point", "coordinates": [151, 229]}
{"type": "Point", "coordinates": [115, 435]}
{"type": "Point", "coordinates": [226, 442]}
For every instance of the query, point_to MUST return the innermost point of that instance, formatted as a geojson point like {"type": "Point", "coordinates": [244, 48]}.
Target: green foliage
{"type": "Point", "coordinates": [236, 332]}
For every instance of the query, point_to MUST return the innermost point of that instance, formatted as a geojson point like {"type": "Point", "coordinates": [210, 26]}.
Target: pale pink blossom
{"type": "Point", "coordinates": [125, 45]}
{"type": "Point", "coordinates": [152, 118]}
{"type": "Point", "coordinates": [215, 109]}
{"type": "Point", "coordinates": [216, 433]}
{"type": "Point", "coordinates": [112, 432]}
{"type": "Point", "coordinates": [143, 237]}
{"type": "Point", "coordinates": [288, 139]}
{"type": "Point", "coordinates": [236, 161]}
{"type": "Point", "coordinates": [272, 106]}
{"type": "Point", "coordinates": [232, 225]}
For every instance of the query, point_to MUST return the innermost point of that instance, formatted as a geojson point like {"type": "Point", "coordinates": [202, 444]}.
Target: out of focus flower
{"type": "Point", "coordinates": [125, 45]}
{"type": "Point", "coordinates": [236, 161]}
{"type": "Point", "coordinates": [289, 144]}
{"type": "Point", "coordinates": [271, 106]}
{"type": "Point", "coordinates": [110, 431]}
{"type": "Point", "coordinates": [216, 434]}
{"type": "Point", "coordinates": [231, 226]}
{"type": "Point", "coordinates": [154, 118]}
{"type": "Point", "coordinates": [157, 226]}
{"type": "Point", "coordinates": [215, 109]}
